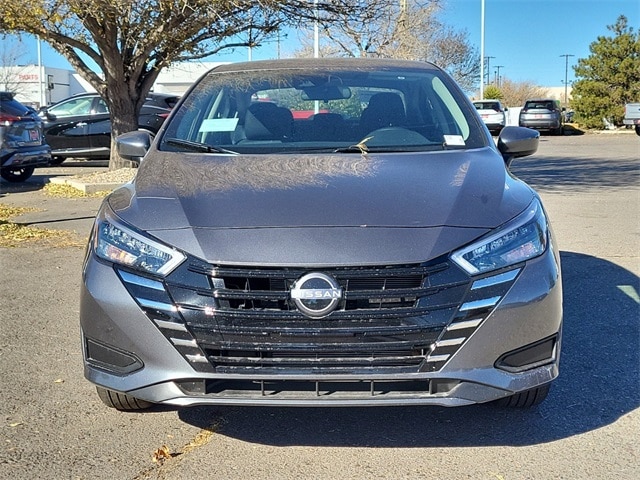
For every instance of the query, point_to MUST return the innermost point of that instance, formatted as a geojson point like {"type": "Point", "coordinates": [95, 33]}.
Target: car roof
{"type": "Point", "coordinates": [324, 63]}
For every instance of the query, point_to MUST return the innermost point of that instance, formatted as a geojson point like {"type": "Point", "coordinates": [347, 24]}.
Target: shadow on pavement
{"type": "Point", "coordinates": [576, 174]}
{"type": "Point", "coordinates": [42, 176]}
{"type": "Point", "coordinates": [598, 384]}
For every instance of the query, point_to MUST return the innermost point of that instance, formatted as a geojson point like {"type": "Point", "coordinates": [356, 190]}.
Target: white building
{"type": "Point", "coordinates": [36, 86]}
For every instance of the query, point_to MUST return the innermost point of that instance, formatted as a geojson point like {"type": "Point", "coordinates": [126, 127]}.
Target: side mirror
{"type": "Point", "coordinates": [515, 142]}
{"type": "Point", "coordinates": [133, 146]}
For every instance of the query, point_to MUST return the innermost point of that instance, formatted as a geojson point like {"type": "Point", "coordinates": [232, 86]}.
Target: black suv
{"type": "Point", "coordinates": [22, 146]}
{"type": "Point", "coordinates": [80, 126]}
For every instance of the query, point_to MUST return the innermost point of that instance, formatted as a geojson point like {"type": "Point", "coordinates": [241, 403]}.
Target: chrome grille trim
{"type": "Point", "coordinates": [146, 303]}
{"type": "Point", "coordinates": [464, 325]}
{"type": "Point", "coordinates": [197, 358]}
{"type": "Point", "coordinates": [495, 280]}
{"type": "Point", "coordinates": [179, 342]}
{"type": "Point", "coordinates": [438, 358]}
{"type": "Point", "coordinates": [170, 325]}
{"type": "Point", "coordinates": [480, 304]}
{"type": "Point", "coordinates": [451, 342]}
{"type": "Point", "coordinates": [141, 281]}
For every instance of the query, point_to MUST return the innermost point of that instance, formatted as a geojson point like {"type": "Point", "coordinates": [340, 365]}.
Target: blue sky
{"type": "Point", "coordinates": [525, 37]}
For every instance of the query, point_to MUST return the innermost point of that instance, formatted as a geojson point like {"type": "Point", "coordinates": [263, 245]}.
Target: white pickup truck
{"type": "Point", "coordinates": [632, 115]}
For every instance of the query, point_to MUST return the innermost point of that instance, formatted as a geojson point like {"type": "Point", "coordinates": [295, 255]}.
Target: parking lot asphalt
{"type": "Point", "coordinates": [53, 425]}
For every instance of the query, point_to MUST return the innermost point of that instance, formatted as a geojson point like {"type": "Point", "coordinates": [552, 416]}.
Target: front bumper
{"type": "Point", "coordinates": [138, 348]}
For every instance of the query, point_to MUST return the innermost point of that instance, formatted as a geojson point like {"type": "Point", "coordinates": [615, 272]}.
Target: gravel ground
{"type": "Point", "coordinates": [121, 175]}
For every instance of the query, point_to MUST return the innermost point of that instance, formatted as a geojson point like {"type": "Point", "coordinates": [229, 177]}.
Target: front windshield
{"type": "Point", "coordinates": [291, 110]}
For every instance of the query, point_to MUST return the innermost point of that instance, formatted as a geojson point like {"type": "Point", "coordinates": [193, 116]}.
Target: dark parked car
{"type": "Point", "coordinates": [22, 145]}
{"type": "Point", "coordinates": [492, 113]}
{"type": "Point", "coordinates": [80, 126]}
{"type": "Point", "coordinates": [544, 115]}
{"type": "Point", "coordinates": [376, 253]}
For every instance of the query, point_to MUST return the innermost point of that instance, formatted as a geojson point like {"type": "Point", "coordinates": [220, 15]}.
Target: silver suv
{"type": "Point", "coordinates": [544, 115]}
{"type": "Point", "coordinates": [378, 252]}
{"type": "Point", "coordinates": [492, 113]}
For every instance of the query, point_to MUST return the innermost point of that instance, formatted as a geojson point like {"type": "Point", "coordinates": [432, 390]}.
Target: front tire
{"type": "Point", "coordinates": [17, 174]}
{"type": "Point", "coordinates": [526, 399]}
{"type": "Point", "coordinates": [122, 401]}
{"type": "Point", "coordinates": [638, 130]}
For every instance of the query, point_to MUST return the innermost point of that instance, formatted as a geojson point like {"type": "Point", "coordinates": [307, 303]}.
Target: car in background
{"type": "Point", "coordinates": [492, 113]}
{"type": "Point", "coordinates": [632, 116]}
{"type": "Point", "coordinates": [378, 254]}
{"type": "Point", "coordinates": [542, 114]}
{"type": "Point", "coordinates": [22, 145]}
{"type": "Point", "coordinates": [80, 126]}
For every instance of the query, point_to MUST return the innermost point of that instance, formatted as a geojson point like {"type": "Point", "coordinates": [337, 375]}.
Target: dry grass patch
{"type": "Point", "coordinates": [16, 235]}
{"type": "Point", "coordinates": [67, 191]}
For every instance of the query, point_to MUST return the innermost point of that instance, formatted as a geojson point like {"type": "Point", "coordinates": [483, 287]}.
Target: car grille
{"type": "Point", "coordinates": [241, 321]}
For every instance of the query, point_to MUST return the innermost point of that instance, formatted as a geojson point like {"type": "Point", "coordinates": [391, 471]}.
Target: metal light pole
{"type": "Point", "coordinates": [316, 34]}
{"type": "Point", "coordinates": [482, 50]}
{"type": "Point", "coordinates": [566, 74]}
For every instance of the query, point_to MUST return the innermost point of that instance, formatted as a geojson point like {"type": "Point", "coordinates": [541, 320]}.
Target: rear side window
{"type": "Point", "coordinates": [13, 107]}
{"type": "Point", "coordinates": [75, 106]}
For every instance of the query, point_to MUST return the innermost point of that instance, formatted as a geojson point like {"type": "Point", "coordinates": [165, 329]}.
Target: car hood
{"type": "Point", "coordinates": [325, 209]}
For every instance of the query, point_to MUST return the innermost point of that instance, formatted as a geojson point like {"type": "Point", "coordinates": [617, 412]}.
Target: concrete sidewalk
{"type": "Point", "coordinates": [71, 214]}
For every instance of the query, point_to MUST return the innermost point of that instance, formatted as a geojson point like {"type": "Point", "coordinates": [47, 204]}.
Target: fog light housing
{"type": "Point", "coordinates": [108, 358]}
{"type": "Point", "coordinates": [531, 356]}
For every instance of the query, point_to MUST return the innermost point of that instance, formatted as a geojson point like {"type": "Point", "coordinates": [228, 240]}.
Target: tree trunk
{"type": "Point", "coordinates": [124, 118]}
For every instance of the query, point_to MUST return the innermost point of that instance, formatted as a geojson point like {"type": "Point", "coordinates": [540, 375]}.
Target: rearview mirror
{"type": "Point", "coordinates": [326, 92]}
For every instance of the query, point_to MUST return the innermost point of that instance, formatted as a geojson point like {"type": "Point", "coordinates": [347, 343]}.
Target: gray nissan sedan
{"type": "Point", "coordinates": [323, 232]}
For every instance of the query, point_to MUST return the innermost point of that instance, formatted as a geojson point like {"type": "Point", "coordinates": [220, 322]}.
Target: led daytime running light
{"type": "Point", "coordinates": [521, 240]}
{"type": "Point", "coordinates": [123, 246]}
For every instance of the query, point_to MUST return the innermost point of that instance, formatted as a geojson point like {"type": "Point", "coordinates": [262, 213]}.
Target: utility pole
{"type": "Point", "coordinates": [497, 80]}
{"type": "Point", "coordinates": [566, 75]}
{"type": "Point", "coordinates": [488, 59]}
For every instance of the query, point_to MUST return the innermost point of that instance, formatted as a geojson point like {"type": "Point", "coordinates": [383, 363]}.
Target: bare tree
{"type": "Point", "coordinates": [514, 94]}
{"type": "Point", "coordinates": [121, 46]}
{"type": "Point", "coordinates": [10, 71]}
{"type": "Point", "coordinates": [407, 29]}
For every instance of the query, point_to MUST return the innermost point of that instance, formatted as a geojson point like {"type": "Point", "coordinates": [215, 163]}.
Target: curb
{"type": "Point", "coordinates": [87, 188]}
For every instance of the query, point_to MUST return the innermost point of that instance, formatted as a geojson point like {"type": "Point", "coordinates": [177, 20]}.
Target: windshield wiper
{"type": "Point", "coordinates": [389, 148]}
{"type": "Point", "coordinates": [197, 146]}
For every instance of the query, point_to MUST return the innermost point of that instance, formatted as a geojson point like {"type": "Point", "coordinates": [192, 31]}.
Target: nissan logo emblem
{"type": "Point", "coordinates": [316, 294]}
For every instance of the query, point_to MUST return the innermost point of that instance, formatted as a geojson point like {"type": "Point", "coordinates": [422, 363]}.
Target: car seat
{"type": "Point", "coordinates": [267, 121]}
{"type": "Point", "coordinates": [385, 109]}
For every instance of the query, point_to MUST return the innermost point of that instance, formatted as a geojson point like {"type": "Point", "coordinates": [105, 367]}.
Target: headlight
{"type": "Point", "coordinates": [521, 239]}
{"type": "Point", "coordinates": [115, 243]}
